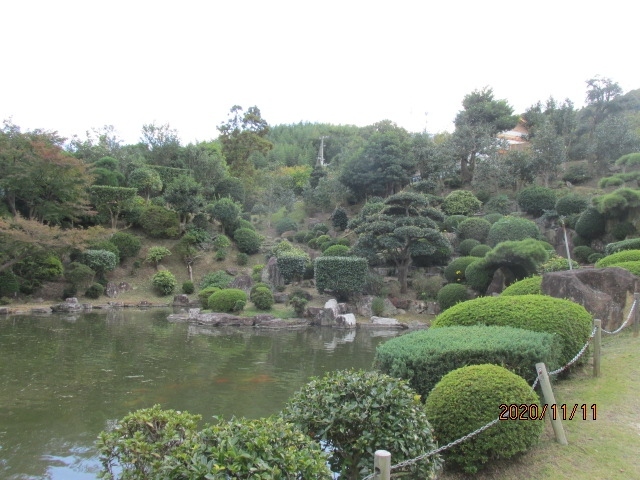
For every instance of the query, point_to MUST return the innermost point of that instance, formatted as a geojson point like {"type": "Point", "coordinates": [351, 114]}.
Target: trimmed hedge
{"type": "Point", "coordinates": [291, 264]}
{"type": "Point", "coordinates": [461, 202]}
{"type": "Point", "coordinates": [467, 245]}
{"type": "Point", "coordinates": [571, 204]}
{"type": "Point", "coordinates": [454, 272]}
{"type": "Point", "coordinates": [535, 200]}
{"type": "Point", "coordinates": [451, 294]}
{"type": "Point", "coordinates": [424, 357]}
{"type": "Point", "coordinates": [526, 286]}
{"type": "Point", "coordinates": [342, 275]}
{"type": "Point", "coordinates": [619, 257]}
{"type": "Point", "coordinates": [539, 313]}
{"type": "Point", "coordinates": [248, 241]}
{"type": "Point", "coordinates": [470, 397]}
{"type": "Point", "coordinates": [227, 300]}
{"type": "Point", "coordinates": [474, 228]}
{"type": "Point", "coordinates": [128, 245]}
{"type": "Point", "coordinates": [629, 244]}
{"type": "Point", "coordinates": [591, 224]}
{"type": "Point", "coordinates": [512, 228]}
{"type": "Point", "coordinates": [479, 251]}
{"type": "Point", "coordinates": [262, 298]}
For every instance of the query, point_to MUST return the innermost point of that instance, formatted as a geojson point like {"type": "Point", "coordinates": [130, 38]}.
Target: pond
{"type": "Point", "coordinates": [63, 379]}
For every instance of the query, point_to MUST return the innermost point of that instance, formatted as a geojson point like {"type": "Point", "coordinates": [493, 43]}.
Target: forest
{"type": "Point", "coordinates": [65, 202]}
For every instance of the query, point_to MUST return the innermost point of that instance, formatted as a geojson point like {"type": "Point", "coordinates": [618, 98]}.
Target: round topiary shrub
{"type": "Point", "coordinates": [475, 227]}
{"type": "Point", "coordinates": [353, 412]}
{"type": "Point", "coordinates": [470, 397]}
{"type": "Point", "coordinates": [242, 259]}
{"type": "Point", "coordinates": [571, 204]}
{"type": "Point", "coordinates": [511, 228]}
{"type": "Point", "coordinates": [500, 204]}
{"type": "Point", "coordinates": [262, 298]}
{"type": "Point", "coordinates": [539, 313]}
{"type": "Point", "coordinates": [461, 202]}
{"type": "Point", "coordinates": [205, 293]}
{"type": "Point", "coordinates": [619, 257]}
{"type": "Point", "coordinates": [451, 294]}
{"type": "Point", "coordinates": [493, 217]}
{"type": "Point", "coordinates": [454, 272]}
{"type": "Point", "coordinates": [336, 251]}
{"type": "Point", "coordinates": [591, 224]}
{"type": "Point", "coordinates": [339, 219]}
{"type": "Point", "coordinates": [227, 300]}
{"type": "Point", "coordinates": [450, 223]}
{"type": "Point", "coordinates": [129, 245]}
{"type": "Point", "coordinates": [467, 245]}
{"type": "Point", "coordinates": [94, 291]}
{"type": "Point", "coordinates": [188, 288]}
{"type": "Point", "coordinates": [164, 282]}
{"type": "Point", "coordinates": [377, 306]}
{"type": "Point", "coordinates": [286, 224]}
{"type": "Point", "coordinates": [479, 251]}
{"type": "Point", "coordinates": [582, 253]}
{"type": "Point", "coordinates": [535, 200]}
{"type": "Point", "coordinates": [160, 222]}
{"type": "Point", "coordinates": [526, 286]}
{"type": "Point", "coordinates": [248, 240]}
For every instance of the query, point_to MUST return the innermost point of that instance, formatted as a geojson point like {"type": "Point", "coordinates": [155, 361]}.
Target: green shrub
{"type": "Point", "coordinates": [69, 291]}
{"type": "Point", "coordinates": [451, 294]}
{"type": "Point", "coordinates": [454, 272]}
{"type": "Point", "coordinates": [618, 257]}
{"type": "Point", "coordinates": [450, 224]}
{"type": "Point", "coordinates": [108, 246]}
{"type": "Point", "coordinates": [301, 235]}
{"type": "Point", "coordinates": [219, 278]}
{"type": "Point", "coordinates": [500, 204]}
{"type": "Point", "coordinates": [339, 219]}
{"type": "Point", "coordinates": [320, 229]}
{"type": "Point", "coordinates": [571, 204]}
{"type": "Point", "coordinates": [248, 449]}
{"type": "Point", "coordinates": [467, 245]}
{"type": "Point", "coordinates": [299, 305]}
{"type": "Point", "coordinates": [227, 300]}
{"type": "Point", "coordinates": [9, 283]}
{"type": "Point", "coordinates": [577, 173]}
{"type": "Point", "coordinates": [629, 244]}
{"type": "Point", "coordinates": [591, 224]}
{"type": "Point", "coordinates": [535, 200]}
{"type": "Point", "coordinates": [156, 254]}
{"type": "Point", "coordinates": [221, 242]}
{"type": "Point", "coordinates": [79, 274]}
{"type": "Point", "coordinates": [632, 266]}
{"type": "Point", "coordinates": [242, 259]}
{"type": "Point", "coordinates": [100, 261]}
{"type": "Point", "coordinates": [94, 291]}
{"type": "Point", "coordinates": [256, 272]}
{"type": "Point", "coordinates": [526, 286]}
{"type": "Point", "coordinates": [160, 222]}
{"type": "Point", "coordinates": [470, 397]}
{"type": "Point", "coordinates": [164, 282]}
{"type": "Point", "coordinates": [188, 287]}
{"type": "Point", "coordinates": [423, 357]}
{"type": "Point", "coordinates": [493, 217]}
{"type": "Point", "coordinates": [594, 257]}
{"type": "Point", "coordinates": [286, 224]}
{"type": "Point", "coordinates": [479, 251]}
{"type": "Point", "coordinates": [475, 228]}
{"type": "Point", "coordinates": [621, 230]}
{"type": "Point", "coordinates": [511, 228]}
{"type": "Point", "coordinates": [205, 293]}
{"type": "Point", "coordinates": [291, 264]}
{"type": "Point", "coordinates": [221, 255]}
{"type": "Point", "coordinates": [353, 413]}
{"type": "Point", "coordinates": [139, 444]}
{"type": "Point", "coordinates": [336, 251]}
{"type": "Point", "coordinates": [461, 202]}
{"type": "Point", "coordinates": [129, 245]}
{"type": "Point", "coordinates": [377, 306]}
{"type": "Point", "coordinates": [427, 288]}
{"type": "Point", "coordinates": [262, 298]}
{"type": "Point", "coordinates": [556, 263]}
{"type": "Point", "coordinates": [582, 253]}
{"type": "Point", "coordinates": [344, 276]}
{"type": "Point", "coordinates": [248, 241]}
{"type": "Point", "coordinates": [257, 286]}
{"type": "Point", "coordinates": [539, 313]}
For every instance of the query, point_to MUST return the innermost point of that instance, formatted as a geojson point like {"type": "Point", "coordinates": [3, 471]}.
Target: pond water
{"type": "Point", "coordinates": [63, 379]}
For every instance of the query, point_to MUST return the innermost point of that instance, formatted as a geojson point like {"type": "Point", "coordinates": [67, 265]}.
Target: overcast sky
{"type": "Point", "coordinates": [75, 65]}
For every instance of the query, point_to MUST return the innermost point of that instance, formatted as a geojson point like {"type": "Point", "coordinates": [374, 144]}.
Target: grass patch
{"type": "Point", "coordinates": [603, 448]}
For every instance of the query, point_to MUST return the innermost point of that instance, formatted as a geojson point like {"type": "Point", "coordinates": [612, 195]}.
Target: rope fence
{"type": "Point", "coordinates": [382, 459]}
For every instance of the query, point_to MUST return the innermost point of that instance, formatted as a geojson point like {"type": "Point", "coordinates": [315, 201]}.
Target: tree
{"type": "Point", "coordinates": [477, 125]}
{"type": "Point", "coordinates": [146, 180]}
{"type": "Point", "coordinates": [184, 195]}
{"type": "Point", "coordinates": [162, 145]}
{"type": "Point", "coordinates": [398, 231]}
{"type": "Point", "coordinates": [548, 151]}
{"type": "Point", "coordinates": [226, 211]}
{"type": "Point", "coordinates": [112, 200]}
{"type": "Point", "coordinates": [243, 134]}
{"type": "Point", "coordinates": [601, 92]}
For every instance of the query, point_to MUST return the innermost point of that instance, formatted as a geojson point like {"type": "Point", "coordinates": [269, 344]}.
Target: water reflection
{"type": "Point", "coordinates": [63, 379]}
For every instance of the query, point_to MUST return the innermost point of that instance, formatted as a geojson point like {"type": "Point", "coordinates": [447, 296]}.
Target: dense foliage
{"type": "Point", "coordinates": [468, 398]}
{"type": "Point", "coordinates": [474, 228]}
{"type": "Point", "coordinates": [343, 276]}
{"type": "Point", "coordinates": [629, 244]}
{"type": "Point", "coordinates": [451, 294]}
{"type": "Point", "coordinates": [354, 413]}
{"type": "Point", "coordinates": [227, 300]}
{"type": "Point", "coordinates": [526, 286]}
{"type": "Point", "coordinates": [535, 200]}
{"type": "Point", "coordinates": [538, 313]}
{"type": "Point", "coordinates": [164, 282]}
{"type": "Point", "coordinates": [424, 357]}
{"type": "Point", "coordinates": [511, 228]}
{"type": "Point", "coordinates": [618, 257]}
{"type": "Point", "coordinates": [461, 202]}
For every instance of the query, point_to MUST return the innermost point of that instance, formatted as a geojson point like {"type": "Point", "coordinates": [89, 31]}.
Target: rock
{"type": "Point", "coordinates": [606, 293]}
{"type": "Point", "coordinates": [223, 320]}
{"type": "Point", "coordinates": [346, 320]}
{"type": "Point", "coordinates": [4, 310]}
{"type": "Point", "coordinates": [288, 234]}
{"type": "Point", "coordinates": [501, 278]}
{"type": "Point", "coordinates": [71, 300]}
{"type": "Point", "coordinates": [112, 290]}
{"type": "Point", "coordinates": [433, 308]}
{"type": "Point", "coordinates": [417, 306]}
{"type": "Point", "coordinates": [232, 271]}
{"type": "Point", "coordinates": [363, 306]}
{"type": "Point", "coordinates": [383, 321]}
{"type": "Point", "coordinates": [144, 304]}
{"type": "Point", "coordinates": [87, 306]}
{"type": "Point", "coordinates": [243, 282]}
{"type": "Point", "coordinates": [67, 306]}
{"type": "Point", "coordinates": [271, 273]}
{"type": "Point", "coordinates": [193, 313]}
{"type": "Point", "coordinates": [281, 297]}
{"type": "Point", "coordinates": [41, 310]}
{"type": "Point", "coordinates": [181, 299]}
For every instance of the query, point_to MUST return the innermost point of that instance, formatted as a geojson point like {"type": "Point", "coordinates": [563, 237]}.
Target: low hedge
{"type": "Point", "coordinates": [227, 300]}
{"type": "Point", "coordinates": [526, 286]}
{"type": "Point", "coordinates": [628, 244]}
{"type": "Point", "coordinates": [539, 313]}
{"type": "Point", "coordinates": [470, 397]}
{"type": "Point", "coordinates": [620, 257]}
{"type": "Point", "coordinates": [424, 357]}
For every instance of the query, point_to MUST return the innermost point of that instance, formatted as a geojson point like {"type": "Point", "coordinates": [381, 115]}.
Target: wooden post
{"type": "Point", "coordinates": [597, 341]}
{"type": "Point", "coordinates": [382, 465]}
{"type": "Point", "coordinates": [636, 319]}
{"type": "Point", "coordinates": [550, 400]}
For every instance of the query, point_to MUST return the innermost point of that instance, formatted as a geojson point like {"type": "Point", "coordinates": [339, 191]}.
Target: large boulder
{"type": "Point", "coordinates": [606, 293]}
